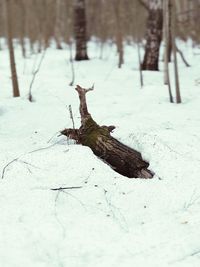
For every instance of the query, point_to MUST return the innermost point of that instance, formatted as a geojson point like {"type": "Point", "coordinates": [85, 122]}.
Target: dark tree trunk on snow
{"type": "Point", "coordinates": [153, 35]}
{"type": "Point", "coordinates": [174, 49]}
{"type": "Point", "coordinates": [11, 49]}
{"type": "Point", "coordinates": [169, 33]}
{"type": "Point", "coordinates": [120, 157]}
{"type": "Point", "coordinates": [166, 33]}
{"type": "Point", "coordinates": [119, 34]}
{"type": "Point", "coordinates": [80, 30]}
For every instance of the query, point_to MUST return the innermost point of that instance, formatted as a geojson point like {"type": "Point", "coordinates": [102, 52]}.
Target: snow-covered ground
{"type": "Point", "coordinates": [110, 220]}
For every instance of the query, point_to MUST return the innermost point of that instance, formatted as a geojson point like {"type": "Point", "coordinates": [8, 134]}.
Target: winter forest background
{"type": "Point", "coordinates": [69, 158]}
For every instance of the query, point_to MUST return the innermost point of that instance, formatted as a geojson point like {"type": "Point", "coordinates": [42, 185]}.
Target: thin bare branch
{"type": "Point", "coordinates": [30, 97]}
{"type": "Point", "coordinates": [182, 57]}
{"type": "Point", "coordinates": [66, 188]}
{"type": "Point", "coordinates": [71, 116]}
{"type": "Point", "coordinates": [6, 166]}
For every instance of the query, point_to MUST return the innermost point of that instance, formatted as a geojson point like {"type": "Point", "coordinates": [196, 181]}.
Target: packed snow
{"type": "Point", "coordinates": [105, 219]}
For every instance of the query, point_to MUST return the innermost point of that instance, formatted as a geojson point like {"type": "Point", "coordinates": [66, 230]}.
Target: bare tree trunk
{"type": "Point", "coordinates": [71, 60]}
{"type": "Point", "coordinates": [80, 30]}
{"type": "Point", "coordinates": [178, 95]}
{"type": "Point", "coordinates": [139, 61]}
{"type": "Point", "coordinates": [22, 43]}
{"type": "Point", "coordinates": [119, 37]}
{"type": "Point", "coordinates": [169, 52]}
{"type": "Point", "coordinates": [166, 39]}
{"type": "Point", "coordinates": [11, 49]}
{"type": "Point", "coordinates": [58, 24]}
{"type": "Point", "coordinates": [166, 19]}
{"type": "Point", "coordinates": [154, 35]}
{"type": "Point", "coordinates": [22, 26]}
{"type": "Point", "coordinates": [101, 49]}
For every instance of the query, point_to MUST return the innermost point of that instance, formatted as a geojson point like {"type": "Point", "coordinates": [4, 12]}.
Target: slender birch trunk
{"type": "Point", "coordinates": [119, 34]}
{"type": "Point", "coordinates": [167, 32]}
{"type": "Point", "coordinates": [178, 94]}
{"type": "Point", "coordinates": [16, 92]}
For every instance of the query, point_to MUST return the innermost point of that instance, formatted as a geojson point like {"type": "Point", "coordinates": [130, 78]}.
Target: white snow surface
{"type": "Point", "coordinates": [111, 220]}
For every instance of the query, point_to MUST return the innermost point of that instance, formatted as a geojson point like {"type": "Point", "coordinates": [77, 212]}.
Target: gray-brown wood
{"type": "Point", "coordinates": [120, 157]}
{"type": "Point", "coordinates": [16, 92]}
{"type": "Point", "coordinates": [178, 94]}
{"type": "Point", "coordinates": [167, 38]}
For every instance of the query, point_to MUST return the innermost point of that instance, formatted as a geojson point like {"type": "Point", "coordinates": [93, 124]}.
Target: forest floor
{"type": "Point", "coordinates": [110, 220]}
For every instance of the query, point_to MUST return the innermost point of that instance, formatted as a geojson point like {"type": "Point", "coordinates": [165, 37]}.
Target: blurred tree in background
{"type": "Point", "coordinates": [41, 21]}
{"type": "Point", "coordinates": [37, 24]}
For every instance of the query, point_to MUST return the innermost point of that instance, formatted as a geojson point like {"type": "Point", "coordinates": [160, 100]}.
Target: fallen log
{"type": "Point", "coordinates": [120, 157]}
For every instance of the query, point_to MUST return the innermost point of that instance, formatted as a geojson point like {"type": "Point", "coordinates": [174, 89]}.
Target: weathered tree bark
{"type": "Point", "coordinates": [120, 157]}
{"type": "Point", "coordinates": [80, 30]}
{"type": "Point", "coordinates": [154, 35]}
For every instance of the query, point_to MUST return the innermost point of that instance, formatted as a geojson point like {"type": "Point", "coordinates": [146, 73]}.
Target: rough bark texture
{"type": "Point", "coordinates": [120, 157]}
{"type": "Point", "coordinates": [80, 30]}
{"type": "Point", "coordinates": [153, 35]}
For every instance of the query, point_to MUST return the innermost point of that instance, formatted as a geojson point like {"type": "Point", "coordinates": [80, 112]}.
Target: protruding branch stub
{"type": "Point", "coordinates": [109, 128]}
{"type": "Point", "coordinates": [82, 90]}
{"type": "Point", "coordinates": [83, 105]}
{"type": "Point", "coordinates": [71, 133]}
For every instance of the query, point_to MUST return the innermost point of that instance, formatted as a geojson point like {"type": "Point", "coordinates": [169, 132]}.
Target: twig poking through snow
{"type": "Point", "coordinates": [71, 116]}
{"type": "Point", "coordinates": [42, 148]}
{"type": "Point", "coordinates": [182, 57]}
{"type": "Point", "coordinates": [17, 159]}
{"type": "Point", "coordinates": [116, 213]}
{"type": "Point", "coordinates": [30, 97]}
{"type": "Point", "coordinates": [6, 166]}
{"type": "Point", "coordinates": [66, 188]}
{"type": "Point", "coordinates": [56, 134]}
